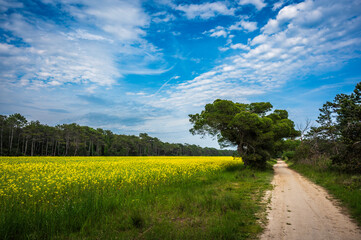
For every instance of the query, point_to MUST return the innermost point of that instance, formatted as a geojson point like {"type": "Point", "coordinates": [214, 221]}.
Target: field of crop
{"type": "Point", "coordinates": [47, 197]}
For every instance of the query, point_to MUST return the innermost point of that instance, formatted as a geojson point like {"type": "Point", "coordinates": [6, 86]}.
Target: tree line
{"type": "Point", "coordinates": [336, 141]}
{"type": "Point", "coordinates": [19, 137]}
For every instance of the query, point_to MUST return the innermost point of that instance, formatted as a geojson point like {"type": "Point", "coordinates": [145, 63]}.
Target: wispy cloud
{"type": "Point", "coordinates": [205, 10]}
{"type": "Point", "coordinates": [5, 5]}
{"type": "Point", "coordinates": [163, 16]}
{"type": "Point", "coordinates": [165, 84]}
{"type": "Point", "coordinates": [240, 46]}
{"type": "Point", "coordinates": [96, 48]}
{"type": "Point", "coordinates": [306, 40]}
{"type": "Point", "coordinates": [106, 15]}
{"type": "Point", "coordinates": [278, 5]}
{"type": "Point", "coordinates": [244, 25]}
{"type": "Point", "coordinates": [259, 4]}
{"type": "Point", "coordinates": [217, 32]}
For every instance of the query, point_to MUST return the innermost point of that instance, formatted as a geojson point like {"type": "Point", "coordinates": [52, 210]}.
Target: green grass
{"type": "Point", "coordinates": [272, 161]}
{"type": "Point", "coordinates": [345, 187]}
{"type": "Point", "coordinates": [221, 205]}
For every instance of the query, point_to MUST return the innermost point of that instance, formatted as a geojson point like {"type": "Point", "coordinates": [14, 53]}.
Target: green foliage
{"type": "Point", "coordinates": [246, 126]}
{"type": "Point", "coordinates": [286, 145]}
{"type": "Point", "coordinates": [18, 137]}
{"type": "Point", "coordinates": [339, 133]}
{"type": "Point", "coordinates": [288, 155]}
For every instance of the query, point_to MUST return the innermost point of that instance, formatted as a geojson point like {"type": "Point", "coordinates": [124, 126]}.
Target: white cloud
{"type": "Point", "coordinates": [52, 57]}
{"type": "Point", "coordinates": [82, 34]}
{"type": "Point", "coordinates": [217, 32]}
{"type": "Point", "coordinates": [311, 37]}
{"type": "Point", "coordinates": [259, 4]}
{"type": "Point", "coordinates": [205, 10]}
{"type": "Point", "coordinates": [220, 33]}
{"type": "Point", "coordinates": [259, 39]}
{"type": "Point", "coordinates": [240, 46]}
{"type": "Point", "coordinates": [5, 5]}
{"type": "Point", "coordinates": [224, 32]}
{"type": "Point", "coordinates": [278, 5]}
{"type": "Point", "coordinates": [302, 12]}
{"type": "Point", "coordinates": [136, 93]}
{"type": "Point", "coordinates": [223, 49]}
{"type": "Point", "coordinates": [244, 25]}
{"type": "Point", "coordinates": [98, 55]}
{"type": "Point", "coordinates": [162, 17]}
{"type": "Point", "coordinates": [123, 20]}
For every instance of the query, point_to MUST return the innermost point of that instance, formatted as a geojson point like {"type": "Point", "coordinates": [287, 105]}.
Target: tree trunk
{"type": "Point", "coordinates": [32, 147]}
{"type": "Point", "coordinates": [26, 147]}
{"type": "Point", "coordinates": [46, 148]}
{"type": "Point", "coordinates": [11, 140]}
{"type": "Point", "coordinates": [90, 143]}
{"type": "Point", "coordinates": [23, 147]}
{"type": "Point", "coordinates": [1, 141]}
{"type": "Point", "coordinates": [241, 153]}
{"type": "Point", "coordinates": [54, 148]}
{"type": "Point", "coordinates": [240, 149]}
{"type": "Point", "coordinates": [76, 148]}
{"type": "Point", "coordinates": [58, 148]}
{"type": "Point", "coordinates": [66, 147]}
{"type": "Point", "coordinates": [17, 147]}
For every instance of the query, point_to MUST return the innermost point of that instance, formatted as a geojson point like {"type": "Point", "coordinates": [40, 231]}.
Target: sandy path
{"type": "Point", "coordinates": [300, 209]}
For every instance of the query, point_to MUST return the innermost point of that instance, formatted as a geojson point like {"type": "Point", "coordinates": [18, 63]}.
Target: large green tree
{"type": "Point", "coordinates": [251, 127]}
{"type": "Point", "coordinates": [340, 125]}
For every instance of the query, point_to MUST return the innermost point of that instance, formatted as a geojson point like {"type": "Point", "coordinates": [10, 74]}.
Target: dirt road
{"type": "Point", "coordinates": [300, 209]}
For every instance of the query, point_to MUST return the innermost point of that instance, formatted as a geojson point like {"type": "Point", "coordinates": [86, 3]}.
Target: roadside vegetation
{"type": "Point", "coordinates": [330, 154]}
{"type": "Point", "coordinates": [130, 198]}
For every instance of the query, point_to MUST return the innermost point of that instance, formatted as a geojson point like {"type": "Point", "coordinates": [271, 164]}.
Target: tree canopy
{"type": "Point", "coordinates": [339, 132]}
{"type": "Point", "coordinates": [251, 127]}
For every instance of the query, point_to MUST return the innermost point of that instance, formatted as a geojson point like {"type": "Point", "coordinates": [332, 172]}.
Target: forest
{"type": "Point", "coordinates": [19, 137]}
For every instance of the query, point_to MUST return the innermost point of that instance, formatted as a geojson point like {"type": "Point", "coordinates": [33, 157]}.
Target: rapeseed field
{"type": "Point", "coordinates": [49, 181]}
{"type": "Point", "coordinates": [130, 198]}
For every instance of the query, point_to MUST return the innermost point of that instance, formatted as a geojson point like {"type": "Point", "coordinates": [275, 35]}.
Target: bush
{"type": "Point", "coordinates": [348, 160]}
{"type": "Point", "coordinates": [288, 155]}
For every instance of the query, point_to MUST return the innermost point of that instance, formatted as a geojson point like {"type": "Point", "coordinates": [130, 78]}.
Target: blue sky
{"type": "Point", "coordinates": [143, 66]}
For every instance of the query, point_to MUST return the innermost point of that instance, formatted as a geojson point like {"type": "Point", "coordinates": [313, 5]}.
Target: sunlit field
{"type": "Point", "coordinates": [49, 181]}
{"type": "Point", "coordinates": [47, 197]}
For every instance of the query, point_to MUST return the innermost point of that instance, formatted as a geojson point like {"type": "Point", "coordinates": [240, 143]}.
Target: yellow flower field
{"type": "Point", "coordinates": [49, 181]}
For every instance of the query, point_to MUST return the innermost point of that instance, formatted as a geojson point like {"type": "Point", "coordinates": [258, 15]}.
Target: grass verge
{"type": "Point", "coordinates": [221, 206]}
{"type": "Point", "coordinates": [345, 187]}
